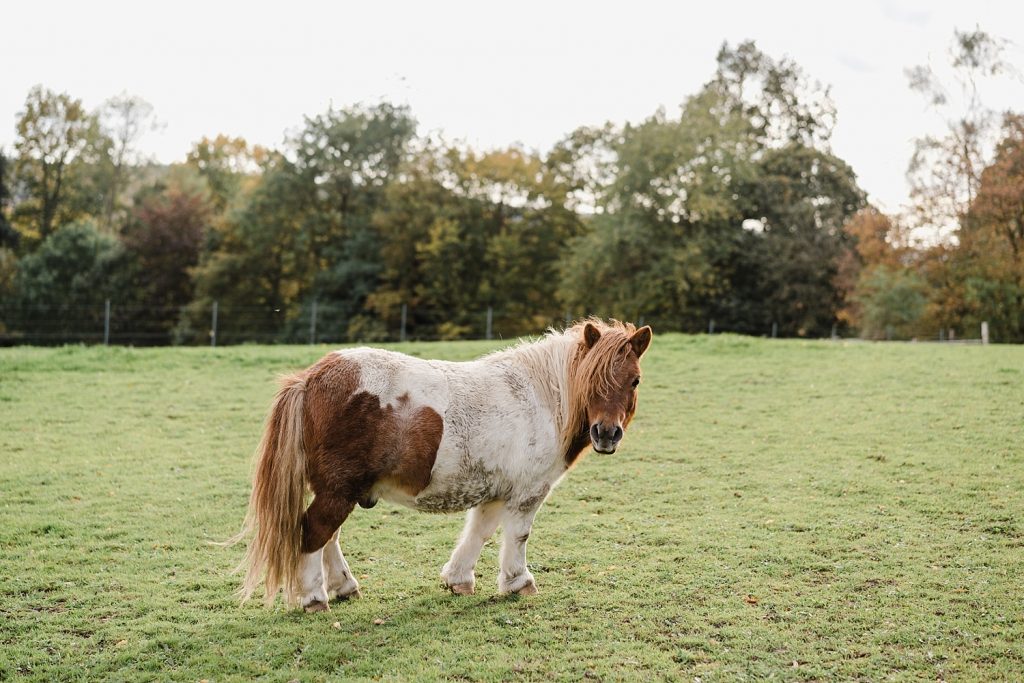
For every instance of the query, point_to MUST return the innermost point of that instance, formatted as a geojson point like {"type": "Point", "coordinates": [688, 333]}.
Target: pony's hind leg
{"type": "Point", "coordinates": [481, 522]}
{"type": "Point", "coordinates": [341, 584]}
{"type": "Point", "coordinates": [319, 524]}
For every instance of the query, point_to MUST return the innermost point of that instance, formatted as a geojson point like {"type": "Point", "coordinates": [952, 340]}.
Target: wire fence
{"type": "Point", "coordinates": [218, 324]}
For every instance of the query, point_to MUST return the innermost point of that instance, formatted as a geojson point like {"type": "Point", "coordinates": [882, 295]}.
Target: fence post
{"type": "Point", "coordinates": [106, 323]}
{"type": "Point", "coordinates": [775, 330]}
{"type": "Point", "coordinates": [490, 320]}
{"type": "Point", "coordinates": [401, 334]}
{"type": "Point", "coordinates": [984, 332]}
{"type": "Point", "coordinates": [312, 324]}
{"type": "Point", "coordinates": [835, 335]}
{"type": "Point", "coordinates": [711, 327]}
{"type": "Point", "coordinates": [213, 326]}
{"type": "Point", "coordinates": [568, 319]}
{"type": "Point", "coordinates": [942, 334]}
{"type": "Point", "coordinates": [952, 334]}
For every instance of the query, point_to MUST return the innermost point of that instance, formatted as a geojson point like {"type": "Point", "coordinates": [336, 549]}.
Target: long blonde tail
{"type": "Point", "coordinates": [278, 498]}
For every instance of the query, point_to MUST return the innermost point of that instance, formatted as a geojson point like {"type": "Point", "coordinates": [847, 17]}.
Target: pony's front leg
{"type": "Point", "coordinates": [481, 522]}
{"type": "Point", "coordinates": [513, 576]}
{"type": "Point", "coordinates": [340, 583]}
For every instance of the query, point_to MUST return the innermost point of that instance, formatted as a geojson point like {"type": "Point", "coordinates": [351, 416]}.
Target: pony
{"type": "Point", "coordinates": [492, 436]}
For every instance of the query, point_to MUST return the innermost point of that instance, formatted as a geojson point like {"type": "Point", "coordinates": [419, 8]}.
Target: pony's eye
{"type": "Point", "coordinates": [636, 382]}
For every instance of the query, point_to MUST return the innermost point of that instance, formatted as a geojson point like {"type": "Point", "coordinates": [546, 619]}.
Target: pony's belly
{"type": "Point", "coordinates": [451, 497]}
{"type": "Point", "coordinates": [459, 482]}
{"type": "Point", "coordinates": [392, 494]}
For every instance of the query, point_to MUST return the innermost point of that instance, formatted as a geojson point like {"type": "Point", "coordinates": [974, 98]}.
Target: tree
{"type": "Point", "coordinates": [256, 268]}
{"type": "Point", "coordinates": [874, 239]}
{"type": "Point", "coordinates": [780, 103]}
{"type": "Point", "coordinates": [61, 287]}
{"type": "Point", "coordinates": [55, 133]}
{"type": "Point", "coordinates": [344, 161]}
{"type": "Point", "coordinates": [226, 163]}
{"type": "Point", "coordinates": [165, 234]}
{"type": "Point", "coordinates": [802, 198]}
{"type": "Point", "coordinates": [303, 231]}
{"type": "Point", "coordinates": [892, 302]}
{"type": "Point", "coordinates": [124, 119]}
{"type": "Point", "coordinates": [945, 171]}
{"type": "Point", "coordinates": [9, 237]}
{"type": "Point", "coordinates": [991, 251]}
{"type": "Point", "coordinates": [747, 151]}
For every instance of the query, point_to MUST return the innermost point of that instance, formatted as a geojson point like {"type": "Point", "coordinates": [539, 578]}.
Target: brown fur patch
{"type": "Point", "coordinates": [352, 442]}
{"type": "Point", "coordinates": [417, 437]}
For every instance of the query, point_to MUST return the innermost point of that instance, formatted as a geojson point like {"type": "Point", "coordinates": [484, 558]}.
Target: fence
{"type": "Point", "coordinates": [226, 324]}
{"type": "Point", "coordinates": [316, 323]}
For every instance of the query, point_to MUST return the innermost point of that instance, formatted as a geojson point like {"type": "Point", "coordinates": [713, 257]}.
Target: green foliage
{"type": "Point", "coordinates": [9, 237]}
{"type": "Point", "coordinates": [774, 502]}
{"type": "Point", "coordinates": [226, 163]}
{"type": "Point", "coordinates": [60, 148]}
{"type": "Point", "coordinates": [166, 233]}
{"type": "Point", "coordinates": [731, 212]}
{"type": "Point", "coordinates": [802, 197]}
{"type": "Point", "coordinates": [673, 239]}
{"type": "Point", "coordinates": [892, 302]}
{"type": "Point", "coordinates": [990, 258]}
{"type": "Point", "coordinates": [60, 288]}
{"type": "Point", "coordinates": [304, 231]}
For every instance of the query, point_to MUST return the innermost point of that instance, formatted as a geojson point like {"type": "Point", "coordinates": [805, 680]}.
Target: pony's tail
{"type": "Point", "coordinates": [278, 498]}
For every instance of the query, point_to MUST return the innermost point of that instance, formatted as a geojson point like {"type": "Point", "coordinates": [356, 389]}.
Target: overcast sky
{"type": "Point", "coordinates": [488, 73]}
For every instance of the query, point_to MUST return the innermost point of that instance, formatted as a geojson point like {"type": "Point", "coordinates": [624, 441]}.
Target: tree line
{"type": "Point", "coordinates": [732, 212]}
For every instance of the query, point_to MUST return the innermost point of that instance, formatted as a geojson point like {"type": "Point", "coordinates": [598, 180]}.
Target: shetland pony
{"type": "Point", "coordinates": [492, 436]}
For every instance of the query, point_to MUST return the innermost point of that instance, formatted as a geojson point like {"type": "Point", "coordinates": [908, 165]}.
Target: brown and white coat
{"type": "Point", "coordinates": [492, 436]}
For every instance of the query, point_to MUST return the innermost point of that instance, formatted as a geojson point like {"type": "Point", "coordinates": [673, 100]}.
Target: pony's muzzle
{"type": "Point", "coordinates": [605, 439]}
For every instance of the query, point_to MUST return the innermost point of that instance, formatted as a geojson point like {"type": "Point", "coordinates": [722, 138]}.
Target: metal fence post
{"type": "Point", "coordinates": [213, 326]}
{"type": "Point", "coordinates": [490, 320]}
{"type": "Point", "coordinates": [405, 311]}
{"type": "Point", "coordinates": [775, 330]}
{"type": "Point", "coordinates": [984, 332]}
{"type": "Point", "coordinates": [106, 323]}
{"type": "Point", "coordinates": [312, 324]}
{"type": "Point", "coordinates": [711, 327]}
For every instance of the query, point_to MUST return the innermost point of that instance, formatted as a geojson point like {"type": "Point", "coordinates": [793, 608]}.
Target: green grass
{"type": "Point", "coordinates": [802, 510]}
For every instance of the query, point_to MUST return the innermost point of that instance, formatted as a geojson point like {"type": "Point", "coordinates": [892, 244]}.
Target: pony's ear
{"type": "Point", "coordinates": [590, 335]}
{"type": "Point", "coordinates": [640, 340]}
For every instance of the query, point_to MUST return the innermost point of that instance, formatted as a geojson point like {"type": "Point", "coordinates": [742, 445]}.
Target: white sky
{"type": "Point", "coordinates": [489, 73]}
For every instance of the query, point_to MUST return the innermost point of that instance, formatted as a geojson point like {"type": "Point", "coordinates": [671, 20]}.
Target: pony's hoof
{"type": "Point", "coordinates": [317, 606]}
{"type": "Point", "coordinates": [528, 589]}
{"type": "Point", "coordinates": [462, 588]}
{"type": "Point", "coordinates": [351, 595]}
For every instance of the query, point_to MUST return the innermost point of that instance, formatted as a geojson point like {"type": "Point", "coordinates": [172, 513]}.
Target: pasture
{"type": "Point", "coordinates": [787, 509]}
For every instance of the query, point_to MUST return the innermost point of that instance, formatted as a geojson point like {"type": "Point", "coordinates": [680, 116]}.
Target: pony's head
{"type": "Point", "coordinates": [606, 376]}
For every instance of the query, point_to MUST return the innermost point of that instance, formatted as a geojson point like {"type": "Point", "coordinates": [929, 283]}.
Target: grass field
{"type": "Point", "coordinates": [787, 509]}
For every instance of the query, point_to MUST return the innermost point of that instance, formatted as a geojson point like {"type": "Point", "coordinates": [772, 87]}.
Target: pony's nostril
{"type": "Point", "coordinates": [595, 432]}
{"type": "Point", "coordinates": [617, 434]}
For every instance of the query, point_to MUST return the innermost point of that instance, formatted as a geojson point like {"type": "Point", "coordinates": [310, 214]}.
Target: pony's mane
{"type": "Point", "coordinates": [567, 374]}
